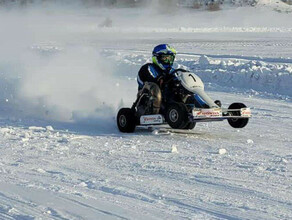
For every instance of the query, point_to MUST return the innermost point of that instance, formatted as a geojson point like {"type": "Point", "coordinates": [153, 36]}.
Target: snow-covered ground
{"type": "Point", "coordinates": [73, 175]}
{"type": "Point", "coordinates": [62, 82]}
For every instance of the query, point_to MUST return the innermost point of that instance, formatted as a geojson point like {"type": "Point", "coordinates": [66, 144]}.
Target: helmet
{"type": "Point", "coordinates": [163, 56]}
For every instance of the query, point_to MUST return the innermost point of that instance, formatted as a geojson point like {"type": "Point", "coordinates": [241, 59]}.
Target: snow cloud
{"type": "Point", "coordinates": [71, 83]}
{"type": "Point", "coordinates": [46, 72]}
{"type": "Point", "coordinates": [75, 84]}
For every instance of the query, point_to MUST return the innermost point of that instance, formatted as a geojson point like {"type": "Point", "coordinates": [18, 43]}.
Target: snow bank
{"type": "Point", "coordinates": [267, 75]}
{"type": "Point", "coordinates": [278, 6]}
{"type": "Point", "coordinates": [257, 75]}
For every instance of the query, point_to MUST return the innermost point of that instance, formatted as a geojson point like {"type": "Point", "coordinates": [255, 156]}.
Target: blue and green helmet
{"type": "Point", "coordinates": [163, 56]}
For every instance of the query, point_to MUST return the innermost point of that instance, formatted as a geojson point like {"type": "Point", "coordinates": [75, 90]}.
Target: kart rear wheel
{"type": "Point", "coordinates": [237, 122]}
{"type": "Point", "coordinates": [177, 116]}
{"type": "Point", "coordinates": [126, 120]}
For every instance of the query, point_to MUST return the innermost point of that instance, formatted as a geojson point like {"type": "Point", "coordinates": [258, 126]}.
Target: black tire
{"type": "Point", "coordinates": [237, 122]}
{"type": "Point", "coordinates": [190, 125]}
{"type": "Point", "coordinates": [218, 102]}
{"type": "Point", "coordinates": [177, 115]}
{"type": "Point", "coordinates": [126, 120]}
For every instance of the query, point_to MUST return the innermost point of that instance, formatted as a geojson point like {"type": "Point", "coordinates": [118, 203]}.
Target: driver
{"type": "Point", "coordinates": [152, 75]}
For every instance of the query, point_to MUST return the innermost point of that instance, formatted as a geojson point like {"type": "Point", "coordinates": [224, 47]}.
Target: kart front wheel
{"type": "Point", "coordinates": [237, 122]}
{"type": "Point", "coordinates": [190, 125]}
{"type": "Point", "coordinates": [126, 120]}
{"type": "Point", "coordinates": [177, 115]}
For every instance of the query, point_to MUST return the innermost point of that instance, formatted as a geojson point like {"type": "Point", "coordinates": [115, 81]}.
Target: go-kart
{"type": "Point", "coordinates": [184, 104]}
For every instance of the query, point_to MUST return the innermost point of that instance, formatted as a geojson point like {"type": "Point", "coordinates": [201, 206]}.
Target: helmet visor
{"type": "Point", "coordinates": [166, 59]}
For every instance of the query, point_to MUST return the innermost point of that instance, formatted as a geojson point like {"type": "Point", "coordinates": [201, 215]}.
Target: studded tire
{"type": "Point", "coordinates": [126, 120]}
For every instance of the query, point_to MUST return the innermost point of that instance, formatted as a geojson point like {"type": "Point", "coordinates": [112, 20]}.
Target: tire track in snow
{"type": "Point", "coordinates": [18, 206]}
{"type": "Point", "coordinates": [224, 189]}
{"type": "Point", "coordinates": [108, 213]}
{"type": "Point", "coordinates": [41, 211]}
{"type": "Point", "coordinates": [211, 208]}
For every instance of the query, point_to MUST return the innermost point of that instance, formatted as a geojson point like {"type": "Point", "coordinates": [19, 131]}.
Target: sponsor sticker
{"type": "Point", "coordinates": [151, 119]}
{"type": "Point", "coordinates": [207, 113]}
{"type": "Point", "coordinates": [245, 112]}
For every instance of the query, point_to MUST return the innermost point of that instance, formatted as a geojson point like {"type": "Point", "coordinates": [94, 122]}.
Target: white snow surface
{"type": "Point", "coordinates": [276, 5]}
{"type": "Point", "coordinates": [62, 156]}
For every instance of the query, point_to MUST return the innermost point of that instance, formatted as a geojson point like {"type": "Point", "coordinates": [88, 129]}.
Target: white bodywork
{"type": "Point", "coordinates": [194, 84]}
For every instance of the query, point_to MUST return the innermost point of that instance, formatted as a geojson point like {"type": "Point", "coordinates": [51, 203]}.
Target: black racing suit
{"type": "Point", "coordinates": [151, 78]}
{"type": "Point", "coordinates": [155, 80]}
{"type": "Point", "coordinates": [149, 72]}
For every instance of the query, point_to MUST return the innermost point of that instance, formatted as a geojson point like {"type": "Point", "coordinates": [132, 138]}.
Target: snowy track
{"type": "Point", "coordinates": [63, 175]}
{"type": "Point", "coordinates": [90, 173]}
